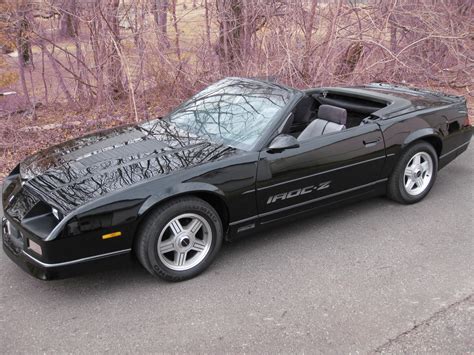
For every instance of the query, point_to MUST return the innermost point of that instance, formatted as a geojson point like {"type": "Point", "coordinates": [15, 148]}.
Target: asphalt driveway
{"type": "Point", "coordinates": [374, 276]}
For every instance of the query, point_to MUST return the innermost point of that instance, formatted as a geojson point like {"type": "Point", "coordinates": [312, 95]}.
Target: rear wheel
{"type": "Point", "coordinates": [180, 239]}
{"type": "Point", "coordinates": [414, 174]}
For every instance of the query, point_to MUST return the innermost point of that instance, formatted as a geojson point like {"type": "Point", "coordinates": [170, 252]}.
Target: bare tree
{"type": "Point", "coordinates": [309, 21]}
{"type": "Point", "coordinates": [114, 65]}
{"type": "Point", "coordinates": [239, 21]}
{"type": "Point", "coordinates": [108, 51]}
{"type": "Point", "coordinates": [23, 32]}
{"type": "Point", "coordinates": [231, 22]}
{"type": "Point", "coordinates": [128, 60]}
{"type": "Point", "coordinates": [23, 43]}
{"type": "Point", "coordinates": [160, 15]}
{"type": "Point", "coordinates": [68, 24]}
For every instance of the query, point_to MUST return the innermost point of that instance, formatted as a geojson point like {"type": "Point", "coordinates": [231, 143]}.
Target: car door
{"type": "Point", "coordinates": [321, 170]}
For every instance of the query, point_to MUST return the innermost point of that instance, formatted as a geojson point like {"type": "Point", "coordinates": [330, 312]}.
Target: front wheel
{"type": "Point", "coordinates": [414, 174]}
{"type": "Point", "coordinates": [180, 239]}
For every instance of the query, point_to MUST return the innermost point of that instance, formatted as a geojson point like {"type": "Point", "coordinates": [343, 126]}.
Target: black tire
{"type": "Point", "coordinates": [396, 185]}
{"type": "Point", "coordinates": [148, 237]}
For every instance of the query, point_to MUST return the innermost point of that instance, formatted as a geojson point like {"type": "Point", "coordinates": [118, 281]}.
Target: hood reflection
{"type": "Point", "coordinates": [73, 173]}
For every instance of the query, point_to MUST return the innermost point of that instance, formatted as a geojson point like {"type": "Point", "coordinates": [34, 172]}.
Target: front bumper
{"type": "Point", "coordinates": [15, 250]}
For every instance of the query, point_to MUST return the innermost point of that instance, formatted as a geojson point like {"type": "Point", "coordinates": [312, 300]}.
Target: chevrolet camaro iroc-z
{"type": "Point", "coordinates": [240, 155]}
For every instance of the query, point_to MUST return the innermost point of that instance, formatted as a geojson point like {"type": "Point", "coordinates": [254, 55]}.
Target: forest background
{"type": "Point", "coordinates": [68, 67]}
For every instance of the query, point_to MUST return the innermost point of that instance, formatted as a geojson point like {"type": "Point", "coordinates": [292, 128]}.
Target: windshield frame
{"type": "Point", "coordinates": [261, 142]}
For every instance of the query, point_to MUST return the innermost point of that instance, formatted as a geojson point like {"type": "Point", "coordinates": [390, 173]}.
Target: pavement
{"type": "Point", "coordinates": [372, 277]}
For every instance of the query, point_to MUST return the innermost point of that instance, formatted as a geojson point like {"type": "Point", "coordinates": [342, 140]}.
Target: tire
{"type": "Point", "coordinates": [179, 239]}
{"type": "Point", "coordinates": [414, 174]}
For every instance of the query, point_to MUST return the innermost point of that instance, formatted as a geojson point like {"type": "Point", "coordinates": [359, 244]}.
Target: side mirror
{"type": "Point", "coordinates": [282, 142]}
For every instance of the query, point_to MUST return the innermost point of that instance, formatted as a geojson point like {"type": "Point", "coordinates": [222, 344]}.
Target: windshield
{"type": "Point", "coordinates": [234, 112]}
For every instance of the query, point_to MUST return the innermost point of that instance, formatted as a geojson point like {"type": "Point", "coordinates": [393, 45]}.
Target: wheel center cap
{"type": "Point", "coordinates": [417, 172]}
{"type": "Point", "coordinates": [184, 241]}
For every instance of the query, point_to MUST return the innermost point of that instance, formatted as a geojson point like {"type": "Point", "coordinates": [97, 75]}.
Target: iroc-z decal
{"type": "Point", "coordinates": [298, 192]}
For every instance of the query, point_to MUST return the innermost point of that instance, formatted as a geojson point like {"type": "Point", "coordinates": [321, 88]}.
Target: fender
{"type": "Point", "coordinates": [178, 190]}
{"type": "Point", "coordinates": [396, 148]}
{"type": "Point", "coordinates": [421, 133]}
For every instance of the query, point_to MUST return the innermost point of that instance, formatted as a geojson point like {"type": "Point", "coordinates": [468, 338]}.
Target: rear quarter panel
{"type": "Point", "coordinates": [446, 124]}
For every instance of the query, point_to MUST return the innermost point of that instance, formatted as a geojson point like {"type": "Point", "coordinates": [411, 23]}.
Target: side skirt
{"type": "Point", "coordinates": [253, 224]}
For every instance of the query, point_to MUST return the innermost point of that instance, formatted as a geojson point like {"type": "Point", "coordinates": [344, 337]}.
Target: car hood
{"type": "Point", "coordinates": [75, 172]}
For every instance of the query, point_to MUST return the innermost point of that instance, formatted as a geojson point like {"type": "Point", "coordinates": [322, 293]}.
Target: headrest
{"type": "Point", "coordinates": [333, 114]}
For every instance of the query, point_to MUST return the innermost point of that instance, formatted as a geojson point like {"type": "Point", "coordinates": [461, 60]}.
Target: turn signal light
{"type": "Point", "coordinates": [112, 235]}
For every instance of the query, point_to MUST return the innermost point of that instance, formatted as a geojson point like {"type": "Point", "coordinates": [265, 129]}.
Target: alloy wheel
{"type": "Point", "coordinates": [184, 241]}
{"type": "Point", "coordinates": [418, 173]}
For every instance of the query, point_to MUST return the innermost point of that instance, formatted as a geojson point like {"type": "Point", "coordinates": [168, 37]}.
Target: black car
{"type": "Point", "coordinates": [239, 156]}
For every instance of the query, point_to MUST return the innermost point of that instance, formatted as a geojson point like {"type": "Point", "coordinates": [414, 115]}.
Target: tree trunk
{"type": "Point", "coordinates": [208, 24]}
{"type": "Point", "coordinates": [68, 23]}
{"type": "Point", "coordinates": [58, 74]}
{"type": "Point", "coordinates": [349, 60]}
{"type": "Point", "coordinates": [114, 67]}
{"type": "Point", "coordinates": [231, 24]}
{"type": "Point", "coordinates": [23, 45]}
{"type": "Point", "coordinates": [160, 15]}
{"type": "Point", "coordinates": [23, 34]}
{"type": "Point", "coordinates": [176, 30]}
{"type": "Point", "coordinates": [308, 35]}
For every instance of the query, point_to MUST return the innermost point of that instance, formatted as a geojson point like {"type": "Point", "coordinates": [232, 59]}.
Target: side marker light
{"type": "Point", "coordinates": [112, 235]}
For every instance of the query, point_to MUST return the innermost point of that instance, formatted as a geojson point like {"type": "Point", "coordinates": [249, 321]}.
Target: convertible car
{"type": "Point", "coordinates": [241, 155]}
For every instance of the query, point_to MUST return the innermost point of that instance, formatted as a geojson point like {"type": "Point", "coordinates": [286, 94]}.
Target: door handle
{"type": "Point", "coordinates": [371, 143]}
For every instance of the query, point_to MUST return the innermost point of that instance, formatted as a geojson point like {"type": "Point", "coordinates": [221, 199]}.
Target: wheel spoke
{"type": "Point", "coordinates": [417, 159]}
{"type": "Point", "coordinates": [408, 171]}
{"type": "Point", "coordinates": [419, 181]}
{"type": "Point", "coordinates": [194, 226]}
{"type": "Point", "coordinates": [166, 246]}
{"type": "Point", "coordinates": [176, 226]}
{"type": "Point", "coordinates": [180, 258]}
{"type": "Point", "coordinates": [425, 166]}
{"type": "Point", "coordinates": [199, 245]}
{"type": "Point", "coordinates": [409, 184]}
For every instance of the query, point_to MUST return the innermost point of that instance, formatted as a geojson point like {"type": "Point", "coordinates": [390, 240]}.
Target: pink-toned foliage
{"type": "Point", "coordinates": [117, 61]}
